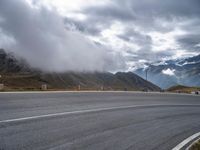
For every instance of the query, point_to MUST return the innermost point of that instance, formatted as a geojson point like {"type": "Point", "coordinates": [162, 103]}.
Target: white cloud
{"type": "Point", "coordinates": [183, 54]}
{"type": "Point", "coordinates": [170, 72]}
{"type": "Point", "coordinates": [67, 6]}
{"type": "Point", "coordinates": [165, 41]}
{"type": "Point", "coordinates": [197, 45]}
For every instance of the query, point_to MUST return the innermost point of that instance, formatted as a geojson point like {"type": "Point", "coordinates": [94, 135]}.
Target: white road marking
{"type": "Point", "coordinates": [87, 111]}
{"type": "Point", "coordinates": [72, 112]}
{"type": "Point", "coordinates": [193, 143]}
{"type": "Point", "coordinates": [186, 141]}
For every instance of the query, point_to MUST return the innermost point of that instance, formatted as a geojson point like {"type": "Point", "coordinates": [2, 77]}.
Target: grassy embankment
{"type": "Point", "coordinates": [183, 89]}
{"type": "Point", "coordinates": [29, 82]}
{"type": "Point", "coordinates": [196, 146]}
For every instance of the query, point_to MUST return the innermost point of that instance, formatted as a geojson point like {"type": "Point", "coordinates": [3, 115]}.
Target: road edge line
{"type": "Point", "coordinates": [186, 141]}
{"type": "Point", "coordinates": [193, 143]}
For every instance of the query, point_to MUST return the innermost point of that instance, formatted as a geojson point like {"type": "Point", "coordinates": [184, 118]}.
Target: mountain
{"type": "Point", "coordinates": [16, 74]}
{"type": "Point", "coordinates": [173, 72]}
{"type": "Point", "coordinates": [9, 64]}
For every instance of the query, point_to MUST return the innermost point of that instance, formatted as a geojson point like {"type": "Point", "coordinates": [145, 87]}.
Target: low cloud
{"type": "Point", "coordinates": [169, 72]}
{"type": "Point", "coordinates": [39, 35]}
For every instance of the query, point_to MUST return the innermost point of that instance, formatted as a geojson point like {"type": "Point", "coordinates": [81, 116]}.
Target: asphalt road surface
{"type": "Point", "coordinates": [96, 120]}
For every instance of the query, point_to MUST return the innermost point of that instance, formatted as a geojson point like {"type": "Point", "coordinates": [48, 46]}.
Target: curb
{"type": "Point", "coordinates": [187, 141]}
{"type": "Point", "coordinates": [194, 142]}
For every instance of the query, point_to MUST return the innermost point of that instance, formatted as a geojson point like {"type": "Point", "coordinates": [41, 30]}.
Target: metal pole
{"type": "Point", "coordinates": [146, 73]}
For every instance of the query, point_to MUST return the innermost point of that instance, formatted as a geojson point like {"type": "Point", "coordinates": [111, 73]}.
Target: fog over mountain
{"type": "Point", "coordinates": [39, 35]}
{"type": "Point", "coordinates": [16, 74]}
{"type": "Point", "coordinates": [106, 35]}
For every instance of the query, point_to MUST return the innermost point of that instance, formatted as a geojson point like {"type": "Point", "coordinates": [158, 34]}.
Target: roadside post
{"type": "Point", "coordinates": [102, 88]}
{"type": "Point", "coordinates": [1, 84]}
{"type": "Point", "coordinates": [44, 87]}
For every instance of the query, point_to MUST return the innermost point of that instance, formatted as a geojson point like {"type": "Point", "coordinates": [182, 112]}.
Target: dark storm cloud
{"type": "Point", "coordinates": [82, 26]}
{"type": "Point", "coordinates": [144, 55]}
{"type": "Point", "coordinates": [144, 41]}
{"type": "Point", "coordinates": [147, 16]}
{"type": "Point", "coordinates": [131, 35]}
{"type": "Point", "coordinates": [144, 12]}
{"type": "Point", "coordinates": [111, 11]}
{"type": "Point", "coordinates": [190, 41]}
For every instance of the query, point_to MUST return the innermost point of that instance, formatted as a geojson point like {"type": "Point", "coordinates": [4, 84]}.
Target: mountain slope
{"type": "Point", "coordinates": [173, 72]}
{"type": "Point", "coordinates": [18, 75]}
{"type": "Point", "coordinates": [9, 64]}
{"type": "Point", "coordinates": [183, 89]}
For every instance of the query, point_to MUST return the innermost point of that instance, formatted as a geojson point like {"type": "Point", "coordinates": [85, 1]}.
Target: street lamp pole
{"type": "Point", "coordinates": [146, 71]}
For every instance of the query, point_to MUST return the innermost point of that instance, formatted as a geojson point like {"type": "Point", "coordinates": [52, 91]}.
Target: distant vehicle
{"type": "Point", "coordinates": [178, 91]}
{"type": "Point", "coordinates": [195, 92]}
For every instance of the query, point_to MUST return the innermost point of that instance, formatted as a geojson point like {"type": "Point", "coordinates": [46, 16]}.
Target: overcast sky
{"type": "Point", "coordinates": [99, 35]}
